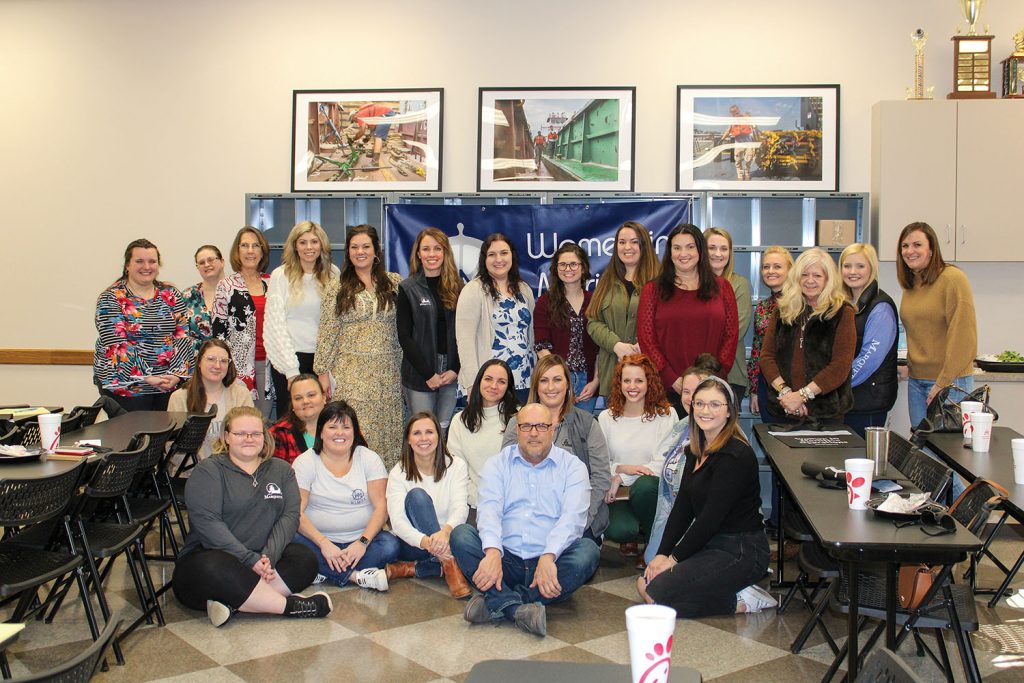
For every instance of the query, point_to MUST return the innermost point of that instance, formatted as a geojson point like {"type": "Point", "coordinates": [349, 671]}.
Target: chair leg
{"type": "Point", "coordinates": [962, 638]}
{"type": "Point", "coordinates": [944, 654]}
{"type": "Point", "coordinates": [791, 593]}
{"type": "Point", "coordinates": [5, 668]}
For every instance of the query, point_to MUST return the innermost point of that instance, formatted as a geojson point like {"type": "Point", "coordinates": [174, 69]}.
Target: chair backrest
{"type": "Point", "coordinates": [81, 667]}
{"type": "Point", "coordinates": [154, 451]}
{"type": "Point", "coordinates": [976, 503]}
{"type": "Point", "coordinates": [30, 501]}
{"type": "Point", "coordinates": [28, 432]}
{"type": "Point", "coordinates": [899, 450]}
{"type": "Point", "coordinates": [88, 413]}
{"type": "Point", "coordinates": [191, 435]}
{"type": "Point", "coordinates": [9, 436]}
{"type": "Point", "coordinates": [70, 422]}
{"type": "Point", "coordinates": [883, 666]}
{"type": "Point", "coordinates": [115, 473]}
{"type": "Point", "coordinates": [928, 474]}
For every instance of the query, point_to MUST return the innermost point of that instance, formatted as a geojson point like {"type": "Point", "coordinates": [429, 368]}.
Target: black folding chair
{"type": "Point", "coordinates": [928, 474]}
{"type": "Point", "coordinates": [148, 498]}
{"type": "Point", "coordinates": [81, 667]}
{"type": "Point", "coordinates": [187, 443]}
{"type": "Point", "coordinates": [973, 509]}
{"type": "Point", "coordinates": [87, 413]}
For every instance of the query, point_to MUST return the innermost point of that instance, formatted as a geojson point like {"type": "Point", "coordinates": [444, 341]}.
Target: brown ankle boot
{"type": "Point", "coordinates": [457, 584]}
{"type": "Point", "coordinates": [400, 570]}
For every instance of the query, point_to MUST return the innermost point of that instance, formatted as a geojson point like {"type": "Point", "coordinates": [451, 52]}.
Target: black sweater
{"type": "Point", "coordinates": [722, 497]}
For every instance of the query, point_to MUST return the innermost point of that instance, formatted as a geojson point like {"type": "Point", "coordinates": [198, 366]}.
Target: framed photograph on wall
{"type": "Point", "coordinates": [367, 140]}
{"type": "Point", "coordinates": [555, 139]}
{"type": "Point", "coordinates": [757, 137]}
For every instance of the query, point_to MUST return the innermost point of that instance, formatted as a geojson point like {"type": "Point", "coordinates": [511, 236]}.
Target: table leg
{"type": "Point", "coordinates": [891, 590]}
{"type": "Point", "coordinates": [851, 624]}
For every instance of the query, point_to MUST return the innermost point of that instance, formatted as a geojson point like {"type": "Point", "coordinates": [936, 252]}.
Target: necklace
{"type": "Point", "coordinates": [803, 326]}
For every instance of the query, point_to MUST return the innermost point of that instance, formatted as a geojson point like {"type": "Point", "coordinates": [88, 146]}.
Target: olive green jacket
{"type": "Point", "coordinates": [744, 308]}
{"type": "Point", "coordinates": [616, 322]}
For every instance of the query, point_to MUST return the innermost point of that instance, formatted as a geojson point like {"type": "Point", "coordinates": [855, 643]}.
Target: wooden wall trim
{"type": "Point", "coordinates": [45, 357]}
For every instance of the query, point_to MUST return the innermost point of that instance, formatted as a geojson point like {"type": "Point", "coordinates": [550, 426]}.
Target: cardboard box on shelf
{"type": "Point", "coordinates": [836, 233]}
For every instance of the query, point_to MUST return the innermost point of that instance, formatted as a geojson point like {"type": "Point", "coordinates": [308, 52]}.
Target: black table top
{"type": "Point", "coordinates": [996, 465]}
{"type": "Point", "coordinates": [855, 534]}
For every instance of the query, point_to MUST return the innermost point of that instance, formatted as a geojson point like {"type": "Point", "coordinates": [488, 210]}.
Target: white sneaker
{"type": "Point", "coordinates": [374, 578]}
{"type": "Point", "coordinates": [756, 598]}
{"type": "Point", "coordinates": [320, 578]}
{"type": "Point", "coordinates": [218, 612]}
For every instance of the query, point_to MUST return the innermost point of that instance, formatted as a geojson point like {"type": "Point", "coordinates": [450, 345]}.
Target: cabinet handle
{"type": "Point", "coordinates": [963, 234]}
{"type": "Point", "coordinates": [947, 233]}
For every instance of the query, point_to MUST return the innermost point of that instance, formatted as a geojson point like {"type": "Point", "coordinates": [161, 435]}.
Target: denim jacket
{"type": "Point", "coordinates": [668, 484]}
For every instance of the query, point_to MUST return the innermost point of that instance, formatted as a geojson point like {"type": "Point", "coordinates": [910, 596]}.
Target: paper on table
{"type": "Point", "coordinates": [811, 432]}
{"type": "Point", "coordinates": [897, 503]}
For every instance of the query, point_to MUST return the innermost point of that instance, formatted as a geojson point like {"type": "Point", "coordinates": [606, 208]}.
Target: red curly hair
{"type": "Point", "coordinates": [655, 402]}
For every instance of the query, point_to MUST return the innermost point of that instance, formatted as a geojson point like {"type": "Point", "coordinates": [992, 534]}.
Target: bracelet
{"type": "Point", "coordinates": [783, 390]}
{"type": "Point", "coordinates": [806, 393]}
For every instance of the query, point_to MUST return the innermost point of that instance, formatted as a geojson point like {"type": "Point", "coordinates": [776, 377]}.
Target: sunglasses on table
{"type": "Point", "coordinates": [934, 521]}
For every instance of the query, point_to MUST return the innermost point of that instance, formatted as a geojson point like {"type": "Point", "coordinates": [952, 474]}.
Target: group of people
{"type": "Point", "coordinates": [352, 350]}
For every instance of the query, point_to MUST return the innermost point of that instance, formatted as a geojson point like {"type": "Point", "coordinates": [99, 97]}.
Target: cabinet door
{"type": "Point", "coordinates": [913, 171]}
{"type": "Point", "coordinates": [990, 148]}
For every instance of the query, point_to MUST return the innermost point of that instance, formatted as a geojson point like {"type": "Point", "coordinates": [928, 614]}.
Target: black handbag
{"type": "Point", "coordinates": [943, 413]}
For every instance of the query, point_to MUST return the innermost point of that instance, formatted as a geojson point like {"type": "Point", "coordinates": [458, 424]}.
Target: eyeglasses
{"type": "Point", "coordinates": [541, 427]}
{"type": "Point", "coordinates": [216, 361]}
{"type": "Point", "coordinates": [207, 262]}
{"type": "Point", "coordinates": [713, 405]}
{"type": "Point", "coordinates": [248, 436]}
{"type": "Point", "coordinates": [575, 265]}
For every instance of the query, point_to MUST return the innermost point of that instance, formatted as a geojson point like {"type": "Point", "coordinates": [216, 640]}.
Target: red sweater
{"type": "Point", "coordinates": [546, 331]}
{"type": "Point", "coordinates": [674, 332]}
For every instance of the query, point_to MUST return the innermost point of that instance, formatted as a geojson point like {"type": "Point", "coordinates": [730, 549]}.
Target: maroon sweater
{"type": "Point", "coordinates": [554, 337]}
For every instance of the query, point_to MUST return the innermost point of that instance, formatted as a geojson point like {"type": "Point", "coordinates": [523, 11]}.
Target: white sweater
{"type": "Point", "coordinates": [449, 496]}
{"type": "Point", "coordinates": [634, 441]}
{"type": "Point", "coordinates": [476, 448]}
{"type": "Point", "coordinates": [290, 327]}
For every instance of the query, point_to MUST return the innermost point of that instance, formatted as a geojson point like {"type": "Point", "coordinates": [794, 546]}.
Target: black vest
{"type": "Point", "coordinates": [878, 393]}
{"type": "Point", "coordinates": [424, 316]}
{"type": "Point", "coordinates": [819, 335]}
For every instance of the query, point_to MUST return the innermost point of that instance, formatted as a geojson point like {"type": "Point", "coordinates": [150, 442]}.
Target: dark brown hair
{"type": "Point", "coordinates": [338, 410]}
{"type": "Point", "coordinates": [930, 273]}
{"type": "Point", "coordinates": [707, 284]}
{"type": "Point", "coordinates": [731, 430]}
{"type": "Point", "coordinates": [442, 458]}
{"type": "Point", "coordinates": [350, 282]}
{"type": "Point", "coordinates": [236, 260]}
{"type": "Point", "coordinates": [473, 415]}
{"type": "Point", "coordinates": [558, 305]}
{"type": "Point", "coordinates": [195, 390]}
{"type": "Point", "coordinates": [513, 272]}
{"type": "Point", "coordinates": [450, 284]}
{"type": "Point", "coordinates": [141, 243]}
{"type": "Point", "coordinates": [615, 274]}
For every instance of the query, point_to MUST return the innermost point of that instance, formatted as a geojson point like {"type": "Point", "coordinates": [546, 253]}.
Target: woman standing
{"type": "Point", "coordinates": [577, 431]}
{"type": "Point", "coordinates": [427, 494]}
{"type": "Point", "coordinates": [612, 311]}
{"type": "Point", "coordinates": [293, 306]}
{"type": "Point", "coordinates": [476, 432]}
{"type": "Point", "coordinates": [295, 433]}
{"type": "Point", "coordinates": [874, 367]}
{"type": "Point", "coordinates": [143, 350]}
{"type": "Point", "coordinates": [809, 345]}
{"type": "Point", "coordinates": [342, 486]}
{"type": "Point", "coordinates": [638, 419]}
{"type": "Point", "coordinates": [687, 311]}
{"type": "Point", "coordinates": [775, 265]}
{"type": "Point", "coordinates": [200, 297]}
{"type": "Point", "coordinates": [938, 314]}
{"type": "Point", "coordinates": [243, 509]}
{"type": "Point", "coordinates": [714, 547]}
{"type": "Point", "coordinates": [560, 324]}
{"type": "Point", "coordinates": [426, 327]}
{"type": "Point", "coordinates": [213, 384]}
{"type": "Point", "coordinates": [720, 255]}
{"type": "Point", "coordinates": [494, 317]}
{"type": "Point", "coordinates": [358, 341]}
{"type": "Point", "coordinates": [238, 309]}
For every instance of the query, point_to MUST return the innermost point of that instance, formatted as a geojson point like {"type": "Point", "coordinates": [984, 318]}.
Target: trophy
{"type": "Point", "coordinates": [972, 58]}
{"type": "Point", "coordinates": [1013, 69]}
{"type": "Point", "coordinates": [919, 38]}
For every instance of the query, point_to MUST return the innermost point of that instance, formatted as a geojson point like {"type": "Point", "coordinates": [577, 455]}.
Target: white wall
{"type": "Point", "coordinates": [123, 119]}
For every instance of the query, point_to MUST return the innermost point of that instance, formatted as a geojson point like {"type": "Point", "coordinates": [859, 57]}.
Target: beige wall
{"type": "Point", "coordinates": [123, 119]}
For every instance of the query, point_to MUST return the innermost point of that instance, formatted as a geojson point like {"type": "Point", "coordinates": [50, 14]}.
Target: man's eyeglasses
{"type": "Point", "coordinates": [541, 427]}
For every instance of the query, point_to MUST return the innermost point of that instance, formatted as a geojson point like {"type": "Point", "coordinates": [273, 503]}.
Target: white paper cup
{"type": "Point", "coordinates": [650, 629]}
{"type": "Point", "coordinates": [981, 432]}
{"type": "Point", "coordinates": [1018, 461]}
{"type": "Point", "coordinates": [49, 431]}
{"type": "Point", "coordinates": [858, 482]}
{"type": "Point", "coordinates": [966, 408]}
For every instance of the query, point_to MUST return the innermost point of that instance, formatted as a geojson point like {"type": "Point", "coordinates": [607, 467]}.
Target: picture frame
{"type": "Point", "coordinates": [367, 140]}
{"type": "Point", "coordinates": [757, 138]}
{"type": "Point", "coordinates": [588, 136]}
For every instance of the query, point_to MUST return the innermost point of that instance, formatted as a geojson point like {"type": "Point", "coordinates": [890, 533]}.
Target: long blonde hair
{"type": "Point", "coordinates": [830, 301]}
{"type": "Point", "coordinates": [724, 234]}
{"type": "Point", "coordinates": [869, 253]}
{"type": "Point", "coordinates": [293, 265]}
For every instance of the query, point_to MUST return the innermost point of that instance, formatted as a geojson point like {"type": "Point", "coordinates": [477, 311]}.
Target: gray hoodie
{"type": "Point", "coordinates": [244, 515]}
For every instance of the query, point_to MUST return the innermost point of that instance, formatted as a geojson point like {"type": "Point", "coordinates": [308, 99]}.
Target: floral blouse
{"type": "Point", "coordinates": [234, 321]}
{"type": "Point", "coordinates": [200, 318]}
{"type": "Point", "coordinates": [139, 337]}
{"type": "Point", "coordinates": [512, 324]}
{"type": "Point", "coordinates": [762, 315]}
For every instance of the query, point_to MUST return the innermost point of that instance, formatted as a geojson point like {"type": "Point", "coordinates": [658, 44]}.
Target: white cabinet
{"type": "Point", "coordinates": [955, 166]}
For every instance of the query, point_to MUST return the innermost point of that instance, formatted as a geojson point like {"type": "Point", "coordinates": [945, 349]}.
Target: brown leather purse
{"type": "Point", "coordinates": [915, 581]}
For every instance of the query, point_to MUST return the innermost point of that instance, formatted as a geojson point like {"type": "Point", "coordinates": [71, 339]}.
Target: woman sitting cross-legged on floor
{"type": "Point", "coordinates": [427, 498]}
{"type": "Point", "coordinates": [714, 547]}
{"type": "Point", "coordinates": [243, 510]}
{"type": "Point", "coordinates": [342, 484]}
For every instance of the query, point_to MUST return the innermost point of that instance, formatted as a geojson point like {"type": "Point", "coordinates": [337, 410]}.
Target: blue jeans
{"type": "Point", "coordinates": [579, 380]}
{"type": "Point", "coordinates": [419, 508]}
{"type": "Point", "coordinates": [382, 549]}
{"type": "Point", "coordinates": [441, 403]}
{"type": "Point", "coordinates": [917, 396]}
{"type": "Point", "coordinates": [575, 565]}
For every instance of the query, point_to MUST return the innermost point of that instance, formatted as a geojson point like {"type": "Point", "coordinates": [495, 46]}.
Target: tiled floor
{"type": "Point", "coordinates": [415, 633]}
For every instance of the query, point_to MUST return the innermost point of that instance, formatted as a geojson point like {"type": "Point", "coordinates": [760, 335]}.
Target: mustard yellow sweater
{"type": "Point", "coordinates": [942, 335]}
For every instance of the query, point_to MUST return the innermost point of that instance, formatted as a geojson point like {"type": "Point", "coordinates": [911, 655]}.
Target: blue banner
{"type": "Point", "coordinates": [536, 232]}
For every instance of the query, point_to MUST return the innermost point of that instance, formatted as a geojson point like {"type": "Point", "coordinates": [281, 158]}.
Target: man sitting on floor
{"type": "Point", "coordinates": [531, 514]}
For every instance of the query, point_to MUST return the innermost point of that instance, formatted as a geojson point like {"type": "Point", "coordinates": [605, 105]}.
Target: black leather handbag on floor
{"type": "Point", "coordinates": [943, 414]}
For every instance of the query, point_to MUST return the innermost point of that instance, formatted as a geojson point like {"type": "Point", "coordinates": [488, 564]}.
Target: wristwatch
{"type": "Point", "coordinates": [364, 540]}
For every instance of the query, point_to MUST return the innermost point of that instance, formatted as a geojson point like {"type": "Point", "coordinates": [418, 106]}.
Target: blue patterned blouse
{"type": "Point", "coordinates": [512, 323]}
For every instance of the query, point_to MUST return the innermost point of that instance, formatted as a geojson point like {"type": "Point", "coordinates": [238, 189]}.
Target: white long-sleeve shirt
{"type": "Point", "coordinates": [476, 448]}
{"type": "Point", "coordinates": [291, 327]}
{"type": "Point", "coordinates": [449, 496]}
{"type": "Point", "coordinates": [634, 441]}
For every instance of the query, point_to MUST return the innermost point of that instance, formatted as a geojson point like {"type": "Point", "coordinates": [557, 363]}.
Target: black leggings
{"type": "Point", "coordinates": [284, 399]}
{"type": "Point", "coordinates": [215, 575]}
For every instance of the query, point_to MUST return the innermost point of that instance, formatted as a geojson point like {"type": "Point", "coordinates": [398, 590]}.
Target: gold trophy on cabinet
{"type": "Point", "coordinates": [918, 39]}
{"type": "Point", "coordinates": [972, 57]}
